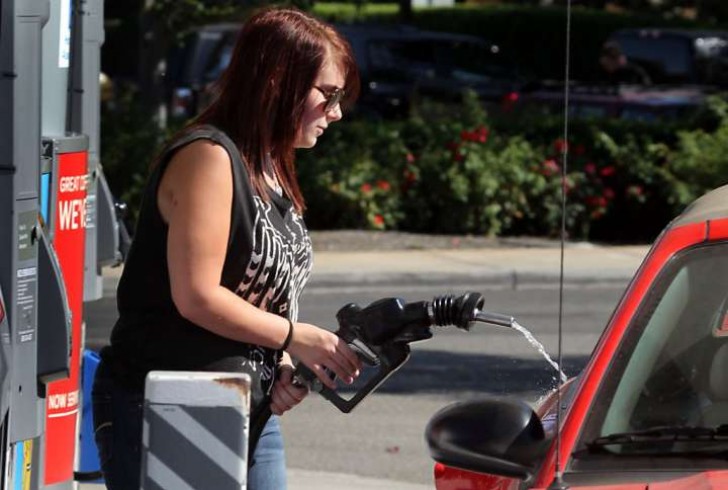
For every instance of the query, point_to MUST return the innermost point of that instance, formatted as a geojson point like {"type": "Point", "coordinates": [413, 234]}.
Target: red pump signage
{"type": "Point", "coordinates": [62, 402]}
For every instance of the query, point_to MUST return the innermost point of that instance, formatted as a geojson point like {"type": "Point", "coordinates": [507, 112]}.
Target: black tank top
{"type": "Point", "coordinates": [268, 261]}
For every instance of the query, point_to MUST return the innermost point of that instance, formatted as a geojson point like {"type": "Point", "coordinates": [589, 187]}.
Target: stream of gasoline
{"type": "Point", "coordinates": [539, 347]}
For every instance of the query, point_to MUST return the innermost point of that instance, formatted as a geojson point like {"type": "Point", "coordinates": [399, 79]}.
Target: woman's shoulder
{"type": "Point", "coordinates": [200, 158]}
{"type": "Point", "coordinates": [200, 143]}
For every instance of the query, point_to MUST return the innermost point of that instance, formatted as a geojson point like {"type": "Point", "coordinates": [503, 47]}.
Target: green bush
{"type": "Point", "coordinates": [456, 170]}
{"type": "Point", "coordinates": [700, 160]}
{"type": "Point", "coordinates": [462, 172]}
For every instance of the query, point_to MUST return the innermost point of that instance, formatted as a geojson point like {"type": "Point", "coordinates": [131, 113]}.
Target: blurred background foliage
{"type": "Point", "coordinates": [455, 169]}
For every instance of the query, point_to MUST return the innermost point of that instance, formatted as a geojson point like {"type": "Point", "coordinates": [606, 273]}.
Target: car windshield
{"type": "Point", "coordinates": [666, 390]}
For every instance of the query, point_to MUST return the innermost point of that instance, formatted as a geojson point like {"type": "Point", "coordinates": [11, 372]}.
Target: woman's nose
{"type": "Point", "coordinates": [335, 113]}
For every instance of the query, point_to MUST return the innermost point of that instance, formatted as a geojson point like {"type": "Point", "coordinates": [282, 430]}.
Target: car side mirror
{"type": "Point", "coordinates": [495, 436]}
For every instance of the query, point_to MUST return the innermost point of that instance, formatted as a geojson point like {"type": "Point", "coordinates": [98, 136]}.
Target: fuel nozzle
{"type": "Point", "coordinates": [462, 311]}
{"type": "Point", "coordinates": [381, 332]}
{"type": "Point", "coordinates": [494, 319]}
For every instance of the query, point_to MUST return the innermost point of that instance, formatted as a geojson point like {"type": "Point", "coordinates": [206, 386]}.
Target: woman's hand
{"type": "Point", "coordinates": [318, 349]}
{"type": "Point", "coordinates": [286, 395]}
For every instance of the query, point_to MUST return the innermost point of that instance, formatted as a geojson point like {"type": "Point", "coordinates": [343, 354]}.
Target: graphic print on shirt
{"type": "Point", "coordinates": [279, 266]}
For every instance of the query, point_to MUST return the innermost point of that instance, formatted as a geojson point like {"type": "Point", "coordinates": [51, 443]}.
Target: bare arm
{"type": "Point", "coordinates": [195, 198]}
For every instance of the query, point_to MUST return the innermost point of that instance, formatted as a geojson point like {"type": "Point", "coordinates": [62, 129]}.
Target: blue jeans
{"type": "Point", "coordinates": [118, 416]}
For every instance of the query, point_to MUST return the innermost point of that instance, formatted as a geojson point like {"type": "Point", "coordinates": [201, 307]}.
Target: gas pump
{"type": "Point", "coordinates": [21, 240]}
{"type": "Point", "coordinates": [57, 229]}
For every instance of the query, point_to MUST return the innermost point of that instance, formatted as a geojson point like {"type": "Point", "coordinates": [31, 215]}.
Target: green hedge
{"type": "Point", "coordinates": [471, 174]}
{"type": "Point", "coordinates": [459, 171]}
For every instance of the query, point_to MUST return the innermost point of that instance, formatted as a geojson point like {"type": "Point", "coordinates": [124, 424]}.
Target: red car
{"type": "Point", "coordinates": [650, 409]}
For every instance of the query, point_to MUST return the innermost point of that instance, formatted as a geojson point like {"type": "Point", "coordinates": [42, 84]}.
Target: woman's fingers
{"type": "Point", "coordinates": [285, 394]}
{"type": "Point", "coordinates": [322, 350]}
{"type": "Point", "coordinates": [351, 359]}
{"type": "Point", "coordinates": [324, 374]}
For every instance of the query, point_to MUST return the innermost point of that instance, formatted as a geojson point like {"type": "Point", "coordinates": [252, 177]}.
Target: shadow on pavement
{"type": "Point", "coordinates": [446, 372]}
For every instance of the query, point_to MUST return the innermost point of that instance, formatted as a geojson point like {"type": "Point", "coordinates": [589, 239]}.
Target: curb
{"type": "Point", "coordinates": [514, 279]}
{"type": "Point", "coordinates": [510, 269]}
{"type": "Point", "coordinates": [511, 280]}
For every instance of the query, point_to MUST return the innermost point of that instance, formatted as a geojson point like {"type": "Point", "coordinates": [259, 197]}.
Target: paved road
{"type": "Point", "coordinates": [383, 437]}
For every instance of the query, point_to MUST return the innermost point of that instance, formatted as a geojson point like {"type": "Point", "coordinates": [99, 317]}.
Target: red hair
{"type": "Point", "coordinates": [262, 95]}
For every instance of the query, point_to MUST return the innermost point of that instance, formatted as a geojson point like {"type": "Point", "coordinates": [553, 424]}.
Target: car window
{"type": "Point", "coordinates": [665, 59]}
{"type": "Point", "coordinates": [406, 58]}
{"type": "Point", "coordinates": [200, 57]}
{"type": "Point", "coordinates": [220, 59]}
{"type": "Point", "coordinates": [671, 369]}
{"type": "Point", "coordinates": [468, 61]}
{"type": "Point", "coordinates": [463, 61]}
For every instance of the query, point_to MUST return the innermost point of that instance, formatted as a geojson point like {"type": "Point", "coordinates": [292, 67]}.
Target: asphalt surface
{"type": "Point", "coordinates": [500, 265]}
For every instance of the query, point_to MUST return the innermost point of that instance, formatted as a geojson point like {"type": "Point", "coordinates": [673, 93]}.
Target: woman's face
{"type": "Point", "coordinates": [315, 118]}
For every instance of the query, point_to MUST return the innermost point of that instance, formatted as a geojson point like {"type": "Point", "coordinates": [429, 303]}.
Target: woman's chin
{"type": "Point", "coordinates": [307, 143]}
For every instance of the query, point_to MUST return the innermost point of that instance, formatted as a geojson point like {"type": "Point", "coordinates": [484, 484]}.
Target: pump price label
{"type": "Point", "coordinates": [69, 243]}
{"type": "Point", "coordinates": [72, 202]}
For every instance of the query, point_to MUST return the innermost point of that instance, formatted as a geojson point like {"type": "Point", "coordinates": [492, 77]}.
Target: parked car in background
{"type": "Point", "coordinates": [650, 409]}
{"type": "Point", "coordinates": [628, 102]}
{"type": "Point", "coordinates": [683, 66]}
{"type": "Point", "coordinates": [194, 64]}
{"type": "Point", "coordinates": [398, 66]}
{"type": "Point", "coordinates": [677, 56]}
{"type": "Point", "coordinates": [401, 64]}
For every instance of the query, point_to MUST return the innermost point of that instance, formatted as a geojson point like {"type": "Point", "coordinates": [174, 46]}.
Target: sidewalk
{"type": "Point", "coordinates": [313, 480]}
{"type": "Point", "coordinates": [510, 267]}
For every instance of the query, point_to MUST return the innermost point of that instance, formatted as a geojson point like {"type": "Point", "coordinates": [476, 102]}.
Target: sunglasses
{"type": "Point", "coordinates": [333, 97]}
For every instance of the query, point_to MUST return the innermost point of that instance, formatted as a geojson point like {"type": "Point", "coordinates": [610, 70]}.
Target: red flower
{"type": "Point", "coordinates": [607, 171]}
{"type": "Point", "coordinates": [378, 220]}
{"type": "Point", "coordinates": [509, 100]}
{"type": "Point", "coordinates": [482, 134]}
{"type": "Point", "coordinates": [409, 176]}
{"type": "Point", "coordinates": [366, 187]}
{"type": "Point", "coordinates": [410, 158]}
{"type": "Point", "coordinates": [590, 168]}
{"type": "Point", "coordinates": [550, 167]}
{"type": "Point", "coordinates": [596, 201]}
{"type": "Point", "coordinates": [609, 193]}
{"type": "Point", "coordinates": [453, 146]}
{"type": "Point", "coordinates": [383, 185]}
{"type": "Point", "coordinates": [579, 150]}
{"type": "Point", "coordinates": [479, 135]}
{"type": "Point", "coordinates": [561, 145]}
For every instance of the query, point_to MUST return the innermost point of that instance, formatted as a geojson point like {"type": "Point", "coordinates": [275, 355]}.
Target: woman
{"type": "Point", "coordinates": [221, 253]}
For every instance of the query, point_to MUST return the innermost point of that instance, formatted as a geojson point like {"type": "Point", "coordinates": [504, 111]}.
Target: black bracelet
{"type": "Point", "coordinates": [287, 342]}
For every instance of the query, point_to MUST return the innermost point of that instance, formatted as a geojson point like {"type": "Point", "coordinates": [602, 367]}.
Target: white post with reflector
{"type": "Point", "coordinates": [195, 431]}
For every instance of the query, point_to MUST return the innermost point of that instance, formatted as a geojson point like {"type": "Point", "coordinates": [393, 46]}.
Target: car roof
{"type": "Point", "coordinates": [672, 32]}
{"type": "Point", "coordinates": [713, 205]}
{"type": "Point", "coordinates": [404, 32]}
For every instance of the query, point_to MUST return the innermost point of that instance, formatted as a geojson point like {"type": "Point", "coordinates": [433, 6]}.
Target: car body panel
{"type": "Point", "coordinates": [702, 223]}
{"type": "Point", "coordinates": [665, 248]}
{"type": "Point", "coordinates": [628, 102]}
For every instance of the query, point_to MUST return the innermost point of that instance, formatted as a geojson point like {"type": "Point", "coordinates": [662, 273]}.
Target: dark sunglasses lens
{"type": "Point", "coordinates": [334, 99]}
